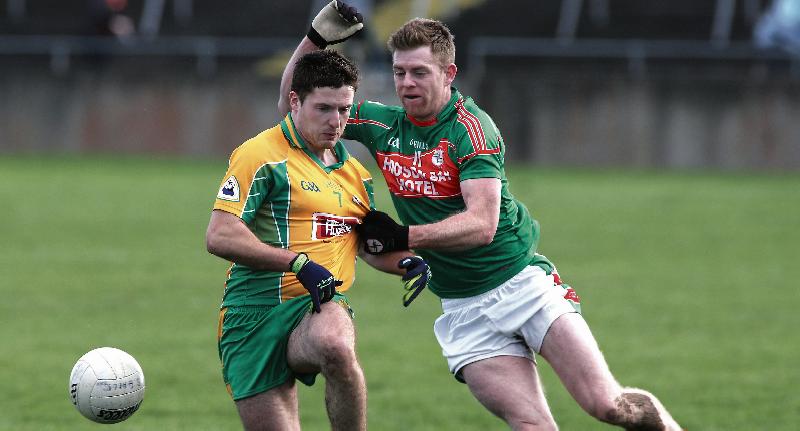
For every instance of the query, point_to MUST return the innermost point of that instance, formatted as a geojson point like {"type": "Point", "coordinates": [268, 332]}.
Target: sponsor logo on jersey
{"type": "Point", "coordinates": [394, 143]}
{"type": "Point", "coordinates": [326, 225]}
{"type": "Point", "coordinates": [425, 173]}
{"type": "Point", "coordinates": [229, 190]}
{"type": "Point", "coordinates": [417, 145]}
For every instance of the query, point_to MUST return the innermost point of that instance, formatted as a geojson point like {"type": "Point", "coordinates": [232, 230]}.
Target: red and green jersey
{"type": "Point", "coordinates": [424, 164]}
{"type": "Point", "coordinates": [290, 199]}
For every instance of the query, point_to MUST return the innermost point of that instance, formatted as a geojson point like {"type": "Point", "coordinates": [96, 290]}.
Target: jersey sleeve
{"type": "Point", "coordinates": [247, 182]}
{"type": "Point", "coordinates": [479, 146]}
{"type": "Point", "coordinates": [368, 121]}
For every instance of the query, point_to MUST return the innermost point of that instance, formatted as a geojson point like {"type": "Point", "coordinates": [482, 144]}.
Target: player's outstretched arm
{"type": "Point", "coordinates": [386, 262]}
{"type": "Point", "coordinates": [473, 227]}
{"type": "Point", "coordinates": [335, 23]}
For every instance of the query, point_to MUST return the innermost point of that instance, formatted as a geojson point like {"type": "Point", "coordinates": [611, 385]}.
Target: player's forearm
{"type": "Point", "coordinates": [227, 237]}
{"type": "Point", "coordinates": [386, 262]}
{"type": "Point", "coordinates": [459, 232]}
{"type": "Point", "coordinates": [258, 256]}
{"type": "Point", "coordinates": [305, 46]}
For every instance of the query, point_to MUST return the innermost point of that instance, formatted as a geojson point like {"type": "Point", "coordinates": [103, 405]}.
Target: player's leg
{"type": "Point", "coordinates": [325, 343]}
{"type": "Point", "coordinates": [573, 353]}
{"type": "Point", "coordinates": [480, 338]}
{"type": "Point", "coordinates": [252, 347]}
{"type": "Point", "coordinates": [509, 387]}
{"type": "Point", "coordinates": [273, 410]}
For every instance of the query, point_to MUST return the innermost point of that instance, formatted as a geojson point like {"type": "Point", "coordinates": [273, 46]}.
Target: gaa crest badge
{"type": "Point", "coordinates": [438, 157]}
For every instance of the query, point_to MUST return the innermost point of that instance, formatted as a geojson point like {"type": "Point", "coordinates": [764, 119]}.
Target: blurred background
{"type": "Point", "coordinates": [657, 143]}
{"type": "Point", "coordinates": [640, 83]}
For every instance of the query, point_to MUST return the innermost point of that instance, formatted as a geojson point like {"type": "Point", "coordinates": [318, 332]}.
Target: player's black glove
{"type": "Point", "coordinates": [418, 273]}
{"type": "Point", "coordinates": [381, 234]}
{"type": "Point", "coordinates": [317, 280]}
{"type": "Point", "coordinates": [335, 22]}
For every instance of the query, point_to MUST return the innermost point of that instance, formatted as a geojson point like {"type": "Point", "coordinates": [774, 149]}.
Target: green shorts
{"type": "Point", "coordinates": [253, 343]}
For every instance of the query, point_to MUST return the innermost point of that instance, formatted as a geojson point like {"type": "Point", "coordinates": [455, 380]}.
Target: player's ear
{"type": "Point", "coordinates": [450, 72]}
{"type": "Point", "coordinates": [294, 101]}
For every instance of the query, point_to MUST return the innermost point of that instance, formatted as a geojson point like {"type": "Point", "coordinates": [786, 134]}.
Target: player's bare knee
{"type": "Point", "coordinates": [634, 411]}
{"type": "Point", "coordinates": [337, 355]}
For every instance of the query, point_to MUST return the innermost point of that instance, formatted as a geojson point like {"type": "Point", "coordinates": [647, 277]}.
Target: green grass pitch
{"type": "Point", "coordinates": [688, 280]}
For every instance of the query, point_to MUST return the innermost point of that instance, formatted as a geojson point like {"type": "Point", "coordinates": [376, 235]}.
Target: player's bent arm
{"type": "Point", "coordinates": [471, 228]}
{"type": "Point", "coordinates": [335, 23]}
{"type": "Point", "coordinates": [229, 238]}
{"type": "Point", "coordinates": [305, 46]}
{"type": "Point", "coordinates": [386, 262]}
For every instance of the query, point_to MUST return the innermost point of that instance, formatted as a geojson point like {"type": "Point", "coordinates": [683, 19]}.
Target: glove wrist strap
{"type": "Point", "coordinates": [298, 262]}
{"type": "Point", "coordinates": [402, 239]}
{"type": "Point", "coordinates": [317, 38]}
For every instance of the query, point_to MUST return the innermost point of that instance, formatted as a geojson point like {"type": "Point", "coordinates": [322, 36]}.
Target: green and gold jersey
{"type": "Point", "coordinates": [424, 164]}
{"type": "Point", "coordinates": [289, 199]}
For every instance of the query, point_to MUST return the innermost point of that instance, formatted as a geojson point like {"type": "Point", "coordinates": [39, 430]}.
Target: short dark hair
{"type": "Point", "coordinates": [324, 68]}
{"type": "Point", "coordinates": [425, 32]}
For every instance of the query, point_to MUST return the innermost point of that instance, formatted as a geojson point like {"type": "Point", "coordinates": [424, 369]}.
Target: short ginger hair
{"type": "Point", "coordinates": [425, 32]}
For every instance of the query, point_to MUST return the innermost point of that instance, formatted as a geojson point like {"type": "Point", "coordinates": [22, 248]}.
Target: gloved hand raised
{"type": "Point", "coordinates": [381, 234]}
{"type": "Point", "coordinates": [335, 22]}
{"type": "Point", "coordinates": [317, 280]}
{"type": "Point", "coordinates": [418, 273]}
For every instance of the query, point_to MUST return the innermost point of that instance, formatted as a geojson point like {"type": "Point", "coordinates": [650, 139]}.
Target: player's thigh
{"type": "Point", "coordinates": [275, 409]}
{"type": "Point", "coordinates": [322, 337]}
{"type": "Point", "coordinates": [572, 351]}
{"type": "Point", "coordinates": [510, 387]}
{"type": "Point", "coordinates": [253, 341]}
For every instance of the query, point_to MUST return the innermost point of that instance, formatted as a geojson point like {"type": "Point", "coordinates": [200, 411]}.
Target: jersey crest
{"type": "Point", "coordinates": [229, 191]}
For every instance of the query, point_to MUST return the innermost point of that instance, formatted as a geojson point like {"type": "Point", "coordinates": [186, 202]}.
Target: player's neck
{"type": "Point", "coordinates": [326, 156]}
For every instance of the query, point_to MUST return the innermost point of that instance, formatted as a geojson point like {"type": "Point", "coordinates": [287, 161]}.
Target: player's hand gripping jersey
{"type": "Point", "coordinates": [289, 199]}
{"type": "Point", "coordinates": [424, 163]}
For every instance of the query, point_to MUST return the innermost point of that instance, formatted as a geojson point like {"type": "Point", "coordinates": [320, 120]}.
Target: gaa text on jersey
{"type": "Point", "coordinates": [309, 185]}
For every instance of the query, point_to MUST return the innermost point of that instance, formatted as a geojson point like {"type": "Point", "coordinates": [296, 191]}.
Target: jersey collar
{"type": "Point", "coordinates": [449, 107]}
{"type": "Point", "coordinates": [295, 140]}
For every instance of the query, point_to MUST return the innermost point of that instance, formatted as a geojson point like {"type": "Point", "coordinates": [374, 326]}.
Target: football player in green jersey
{"type": "Point", "coordinates": [284, 216]}
{"type": "Point", "coordinates": [442, 158]}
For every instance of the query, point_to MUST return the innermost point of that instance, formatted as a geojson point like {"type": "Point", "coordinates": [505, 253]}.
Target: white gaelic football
{"type": "Point", "coordinates": [106, 385]}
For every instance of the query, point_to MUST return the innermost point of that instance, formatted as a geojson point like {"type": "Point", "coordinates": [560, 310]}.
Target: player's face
{"type": "Point", "coordinates": [321, 118]}
{"type": "Point", "coordinates": [421, 82]}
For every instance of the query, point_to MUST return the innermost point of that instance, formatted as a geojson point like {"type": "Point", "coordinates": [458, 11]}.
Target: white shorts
{"type": "Point", "coordinates": [509, 320]}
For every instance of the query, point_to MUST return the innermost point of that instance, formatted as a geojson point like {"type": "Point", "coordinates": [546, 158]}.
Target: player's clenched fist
{"type": "Point", "coordinates": [335, 23]}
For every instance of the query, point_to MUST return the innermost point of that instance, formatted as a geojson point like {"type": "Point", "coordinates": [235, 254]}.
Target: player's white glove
{"type": "Point", "coordinates": [335, 23]}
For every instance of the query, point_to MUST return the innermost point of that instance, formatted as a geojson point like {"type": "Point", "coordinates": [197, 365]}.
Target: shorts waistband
{"type": "Point", "coordinates": [248, 308]}
{"type": "Point", "coordinates": [452, 304]}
